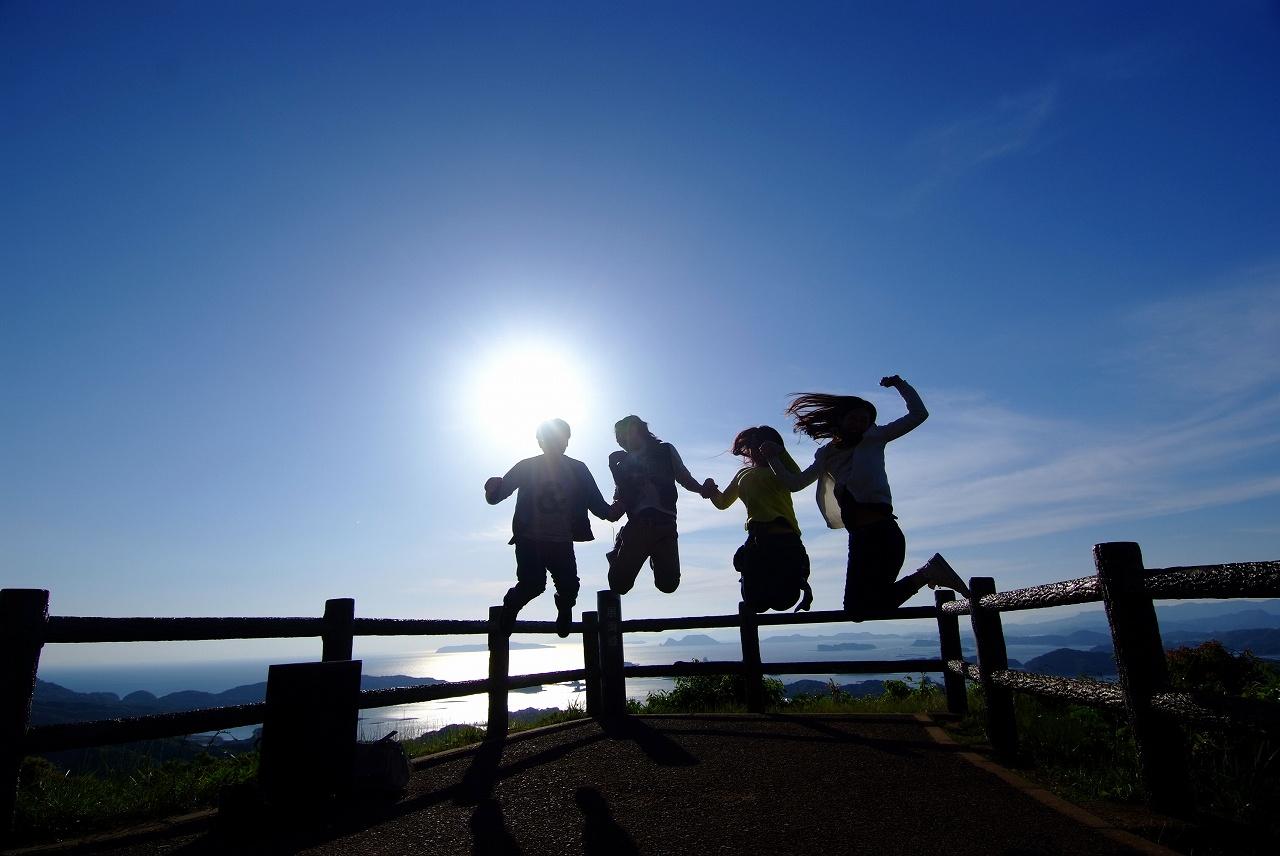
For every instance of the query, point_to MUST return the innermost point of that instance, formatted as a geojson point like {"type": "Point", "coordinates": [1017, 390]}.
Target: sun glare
{"type": "Point", "coordinates": [519, 387]}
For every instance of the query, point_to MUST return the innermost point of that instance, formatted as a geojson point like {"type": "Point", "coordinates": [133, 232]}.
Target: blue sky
{"type": "Point", "coordinates": [258, 258]}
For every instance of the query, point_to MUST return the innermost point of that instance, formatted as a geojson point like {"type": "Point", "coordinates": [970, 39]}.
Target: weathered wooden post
{"type": "Point", "coordinates": [613, 686]}
{"type": "Point", "coordinates": [1002, 727]}
{"type": "Point", "coordinates": [23, 613]}
{"type": "Point", "coordinates": [752, 674]}
{"type": "Point", "coordinates": [339, 629]}
{"type": "Point", "coordinates": [499, 667]}
{"type": "Point", "coordinates": [1144, 671]}
{"type": "Point", "coordinates": [949, 640]}
{"type": "Point", "coordinates": [591, 660]}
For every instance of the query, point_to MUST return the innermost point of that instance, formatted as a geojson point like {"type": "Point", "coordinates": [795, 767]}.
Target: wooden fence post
{"type": "Point", "coordinates": [1002, 727]}
{"type": "Point", "coordinates": [499, 667]}
{"type": "Point", "coordinates": [949, 641]}
{"type": "Point", "coordinates": [339, 629]}
{"type": "Point", "coordinates": [23, 613]}
{"type": "Point", "coordinates": [613, 686]}
{"type": "Point", "coordinates": [752, 674]}
{"type": "Point", "coordinates": [591, 660]}
{"type": "Point", "coordinates": [1144, 671]}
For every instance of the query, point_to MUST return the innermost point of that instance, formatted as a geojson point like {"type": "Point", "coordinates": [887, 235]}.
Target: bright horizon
{"type": "Point", "coordinates": [281, 291]}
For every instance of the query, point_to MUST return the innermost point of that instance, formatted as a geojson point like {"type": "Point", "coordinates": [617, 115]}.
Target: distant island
{"type": "Point", "coordinates": [691, 640]}
{"type": "Point", "coordinates": [474, 647]}
{"type": "Point", "coordinates": [1070, 663]}
{"type": "Point", "coordinates": [847, 646]}
{"type": "Point", "coordinates": [53, 703]}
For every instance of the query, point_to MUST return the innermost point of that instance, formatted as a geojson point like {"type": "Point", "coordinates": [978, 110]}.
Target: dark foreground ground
{"type": "Point", "coordinates": [690, 785]}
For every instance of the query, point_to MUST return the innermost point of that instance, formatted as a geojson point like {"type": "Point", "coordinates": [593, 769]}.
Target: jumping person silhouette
{"type": "Point", "coordinates": [853, 493]}
{"type": "Point", "coordinates": [773, 564]}
{"type": "Point", "coordinates": [555, 494]}
{"type": "Point", "coordinates": [645, 474]}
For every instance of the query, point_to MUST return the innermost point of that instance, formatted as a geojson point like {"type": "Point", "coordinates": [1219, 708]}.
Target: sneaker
{"type": "Point", "coordinates": [564, 618]}
{"type": "Point", "coordinates": [938, 573]}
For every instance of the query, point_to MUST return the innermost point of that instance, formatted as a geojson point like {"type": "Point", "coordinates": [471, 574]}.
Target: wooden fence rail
{"type": "Point", "coordinates": [1120, 582]}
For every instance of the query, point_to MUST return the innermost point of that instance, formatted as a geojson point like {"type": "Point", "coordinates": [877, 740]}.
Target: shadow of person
{"type": "Point", "coordinates": [489, 833]}
{"type": "Point", "coordinates": [660, 748]}
{"type": "Point", "coordinates": [477, 783]}
{"type": "Point", "coordinates": [601, 834]}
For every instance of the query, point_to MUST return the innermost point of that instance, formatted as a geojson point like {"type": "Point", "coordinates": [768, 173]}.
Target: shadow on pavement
{"type": "Point", "coordinates": [601, 834]}
{"type": "Point", "coordinates": [489, 832]}
{"type": "Point", "coordinates": [660, 748]}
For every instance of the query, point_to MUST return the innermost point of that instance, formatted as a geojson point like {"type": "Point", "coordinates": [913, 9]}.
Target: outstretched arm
{"type": "Point", "coordinates": [791, 480]}
{"type": "Point", "coordinates": [686, 480]}
{"type": "Point", "coordinates": [916, 412]}
{"type": "Point", "coordinates": [728, 497]}
{"type": "Point", "coordinates": [595, 501]}
{"type": "Point", "coordinates": [498, 488]}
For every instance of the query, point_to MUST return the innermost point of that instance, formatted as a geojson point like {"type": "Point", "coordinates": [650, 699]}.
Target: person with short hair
{"type": "Point", "coordinates": [553, 495]}
{"type": "Point", "coordinates": [853, 493]}
{"type": "Point", "coordinates": [645, 474]}
{"type": "Point", "coordinates": [773, 565]}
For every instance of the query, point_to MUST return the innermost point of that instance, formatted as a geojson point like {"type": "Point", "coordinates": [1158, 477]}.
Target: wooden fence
{"type": "Point", "coordinates": [1121, 583]}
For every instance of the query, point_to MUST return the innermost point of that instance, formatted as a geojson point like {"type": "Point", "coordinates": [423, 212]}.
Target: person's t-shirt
{"type": "Point", "coordinates": [552, 485]}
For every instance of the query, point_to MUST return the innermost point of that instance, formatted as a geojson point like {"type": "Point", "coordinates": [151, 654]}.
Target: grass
{"type": "Point", "coordinates": [54, 804]}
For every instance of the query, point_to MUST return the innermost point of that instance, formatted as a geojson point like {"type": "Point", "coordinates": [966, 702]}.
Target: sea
{"type": "Point", "coordinates": [553, 655]}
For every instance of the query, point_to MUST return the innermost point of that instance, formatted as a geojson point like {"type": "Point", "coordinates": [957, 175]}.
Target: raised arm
{"type": "Point", "coordinates": [916, 412]}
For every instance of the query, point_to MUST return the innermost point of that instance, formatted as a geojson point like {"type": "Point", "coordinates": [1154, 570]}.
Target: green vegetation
{"type": "Point", "coordinates": [1088, 754]}
{"type": "Point", "coordinates": [54, 804]}
{"type": "Point", "coordinates": [125, 786]}
{"type": "Point", "coordinates": [727, 694]}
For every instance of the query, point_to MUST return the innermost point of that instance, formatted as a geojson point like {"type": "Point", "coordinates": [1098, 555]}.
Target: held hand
{"type": "Point", "coordinates": [891, 380]}
{"type": "Point", "coordinates": [709, 489]}
{"type": "Point", "coordinates": [770, 449]}
{"type": "Point", "coordinates": [493, 485]}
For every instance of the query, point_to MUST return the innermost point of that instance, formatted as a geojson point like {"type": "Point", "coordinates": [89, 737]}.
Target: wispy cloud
{"type": "Point", "coordinates": [948, 150]}
{"type": "Point", "coordinates": [1219, 342]}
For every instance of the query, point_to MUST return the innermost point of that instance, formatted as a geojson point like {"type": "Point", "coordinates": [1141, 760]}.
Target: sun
{"type": "Point", "coordinates": [516, 388]}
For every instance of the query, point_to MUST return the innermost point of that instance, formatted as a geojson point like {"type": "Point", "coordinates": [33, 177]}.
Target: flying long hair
{"type": "Point", "coordinates": [819, 414]}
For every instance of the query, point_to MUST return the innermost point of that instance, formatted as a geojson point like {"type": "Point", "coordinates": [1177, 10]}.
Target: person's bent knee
{"type": "Point", "coordinates": [667, 586]}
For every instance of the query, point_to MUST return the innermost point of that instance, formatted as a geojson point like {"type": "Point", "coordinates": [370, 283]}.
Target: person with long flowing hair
{"type": "Point", "coordinates": [853, 493]}
{"type": "Point", "coordinates": [773, 564]}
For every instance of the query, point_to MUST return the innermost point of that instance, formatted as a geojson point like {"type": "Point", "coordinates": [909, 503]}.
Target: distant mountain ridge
{"type": "Point", "coordinates": [53, 703]}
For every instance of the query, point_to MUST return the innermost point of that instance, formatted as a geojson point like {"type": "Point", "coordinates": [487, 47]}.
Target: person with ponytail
{"type": "Point", "coordinates": [853, 493]}
{"type": "Point", "coordinates": [772, 564]}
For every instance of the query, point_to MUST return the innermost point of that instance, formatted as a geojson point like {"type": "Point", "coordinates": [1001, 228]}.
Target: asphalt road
{"type": "Point", "coordinates": [689, 785]}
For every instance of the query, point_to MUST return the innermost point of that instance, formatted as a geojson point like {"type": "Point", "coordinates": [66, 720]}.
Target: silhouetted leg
{"type": "Point", "coordinates": [627, 556]}
{"type": "Point", "coordinates": [755, 592]}
{"type": "Point", "coordinates": [876, 554]}
{"type": "Point", "coordinates": [664, 556]}
{"type": "Point", "coordinates": [563, 565]}
{"type": "Point", "coordinates": [531, 578]}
